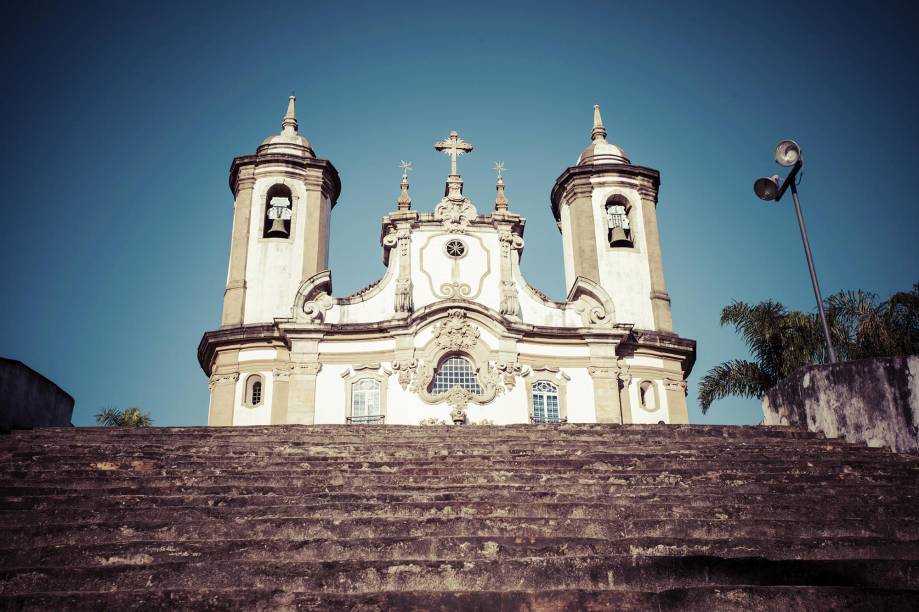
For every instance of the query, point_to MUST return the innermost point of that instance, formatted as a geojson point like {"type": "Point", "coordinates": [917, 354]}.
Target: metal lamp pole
{"type": "Point", "coordinates": [768, 189]}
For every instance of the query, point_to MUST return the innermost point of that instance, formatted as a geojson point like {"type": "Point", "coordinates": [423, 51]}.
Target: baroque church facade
{"type": "Point", "coordinates": [452, 332]}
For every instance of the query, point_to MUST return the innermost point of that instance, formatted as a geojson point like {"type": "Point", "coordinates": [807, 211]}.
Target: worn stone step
{"type": "Point", "coordinates": [892, 504]}
{"type": "Point", "coordinates": [603, 573]}
{"type": "Point", "coordinates": [22, 467]}
{"type": "Point", "coordinates": [309, 528]}
{"type": "Point", "coordinates": [713, 599]}
{"type": "Point", "coordinates": [527, 509]}
{"type": "Point", "coordinates": [449, 548]}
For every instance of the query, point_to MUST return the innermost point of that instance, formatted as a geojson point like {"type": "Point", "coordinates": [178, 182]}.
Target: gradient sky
{"type": "Point", "coordinates": [120, 120]}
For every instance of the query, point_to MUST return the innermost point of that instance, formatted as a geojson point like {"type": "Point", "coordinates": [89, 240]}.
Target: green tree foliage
{"type": "Point", "coordinates": [129, 417]}
{"type": "Point", "coordinates": [781, 340]}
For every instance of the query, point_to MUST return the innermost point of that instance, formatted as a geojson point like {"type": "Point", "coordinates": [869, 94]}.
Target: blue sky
{"type": "Point", "coordinates": [120, 120]}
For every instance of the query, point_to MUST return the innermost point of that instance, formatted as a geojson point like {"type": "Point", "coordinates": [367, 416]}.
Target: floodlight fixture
{"type": "Point", "coordinates": [767, 188]}
{"type": "Point", "coordinates": [788, 154]}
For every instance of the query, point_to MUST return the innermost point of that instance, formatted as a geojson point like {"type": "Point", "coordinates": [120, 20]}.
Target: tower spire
{"type": "Point", "coordinates": [599, 132]}
{"type": "Point", "coordinates": [405, 201]}
{"type": "Point", "coordinates": [289, 123]}
{"type": "Point", "coordinates": [501, 199]}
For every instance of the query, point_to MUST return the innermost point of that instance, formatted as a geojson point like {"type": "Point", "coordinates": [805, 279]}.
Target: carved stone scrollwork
{"type": "Point", "coordinates": [456, 335]}
{"type": "Point", "coordinates": [592, 303]}
{"type": "Point", "coordinates": [455, 332]}
{"type": "Point", "coordinates": [455, 213]}
{"type": "Point", "coordinates": [314, 298]}
{"type": "Point", "coordinates": [509, 371]}
{"type": "Point", "coordinates": [281, 374]}
{"type": "Point", "coordinates": [406, 370]}
{"type": "Point", "coordinates": [219, 379]}
{"type": "Point", "coordinates": [510, 240]}
{"type": "Point", "coordinates": [625, 375]}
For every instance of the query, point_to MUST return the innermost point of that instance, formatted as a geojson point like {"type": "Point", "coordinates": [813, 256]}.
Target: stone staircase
{"type": "Point", "coordinates": [565, 517]}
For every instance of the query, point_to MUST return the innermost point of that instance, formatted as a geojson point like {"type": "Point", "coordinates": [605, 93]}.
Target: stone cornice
{"type": "Point", "coordinates": [331, 183]}
{"type": "Point", "coordinates": [575, 175]}
{"type": "Point", "coordinates": [629, 341]}
{"type": "Point", "coordinates": [244, 334]}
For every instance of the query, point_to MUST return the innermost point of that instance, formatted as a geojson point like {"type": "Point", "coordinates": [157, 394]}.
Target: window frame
{"type": "Point", "coordinates": [472, 368]}
{"type": "Point", "coordinates": [249, 389]}
{"type": "Point", "coordinates": [555, 377]}
{"type": "Point", "coordinates": [353, 376]}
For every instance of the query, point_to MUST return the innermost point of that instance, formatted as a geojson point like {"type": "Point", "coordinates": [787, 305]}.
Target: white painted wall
{"type": "Point", "coordinates": [275, 265]}
{"type": "Point", "coordinates": [624, 273]}
{"type": "Point", "coordinates": [258, 415]}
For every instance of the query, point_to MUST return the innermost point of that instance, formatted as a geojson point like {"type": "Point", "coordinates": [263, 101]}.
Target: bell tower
{"type": "Point", "coordinates": [283, 200]}
{"type": "Point", "coordinates": [606, 211]}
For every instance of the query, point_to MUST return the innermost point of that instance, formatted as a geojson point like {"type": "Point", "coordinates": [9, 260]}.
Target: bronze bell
{"type": "Point", "coordinates": [277, 229]}
{"type": "Point", "coordinates": [619, 238]}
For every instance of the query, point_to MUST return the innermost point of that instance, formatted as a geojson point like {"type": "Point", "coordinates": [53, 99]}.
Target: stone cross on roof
{"type": "Point", "coordinates": [454, 146]}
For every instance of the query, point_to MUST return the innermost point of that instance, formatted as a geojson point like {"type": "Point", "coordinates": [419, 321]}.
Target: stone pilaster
{"type": "Point", "coordinates": [301, 405]}
{"type": "Point", "coordinates": [583, 232]}
{"type": "Point", "coordinates": [625, 380]}
{"type": "Point", "coordinates": [223, 399]}
{"type": "Point", "coordinates": [606, 393]}
{"type": "Point", "coordinates": [234, 297]}
{"type": "Point", "coordinates": [315, 214]}
{"type": "Point", "coordinates": [675, 388]}
{"type": "Point", "coordinates": [280, 395]}
{"type": "Point", "coordinates": [660, 300]}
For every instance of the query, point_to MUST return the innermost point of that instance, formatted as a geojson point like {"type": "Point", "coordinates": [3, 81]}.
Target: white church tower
{"type": "Point", "coordinates": [606, 210]}
{"type": "Point", "coordinates": [452, 332]}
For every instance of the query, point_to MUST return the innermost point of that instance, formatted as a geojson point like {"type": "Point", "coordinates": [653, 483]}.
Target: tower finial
{"type": "Point", "coordinates": [501, 199]}
{"type": "Point", "coordinates": [405, 201]}
{"type": "Point", "coordinates": [599, 132]}
{"type": "Point", "coordinates": [289, 124]}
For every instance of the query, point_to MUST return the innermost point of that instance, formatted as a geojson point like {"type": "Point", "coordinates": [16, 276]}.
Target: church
{"type": "Point", "coordinates": [451, 332]}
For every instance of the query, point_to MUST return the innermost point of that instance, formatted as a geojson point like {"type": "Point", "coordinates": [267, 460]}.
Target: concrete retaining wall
{"type": "Point", "coordinates": [875, 401]}
{"type": "Point", "coordinates": [28, 399]}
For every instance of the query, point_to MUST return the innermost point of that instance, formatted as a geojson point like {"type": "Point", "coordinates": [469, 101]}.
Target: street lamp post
{"type": "Point", "coordinates": [788, 153]}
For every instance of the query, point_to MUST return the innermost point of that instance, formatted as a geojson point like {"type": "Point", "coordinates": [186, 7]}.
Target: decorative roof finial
{"type": "Point", "coordinates": [599, 132]}
{"type": "Point", "coordinates": [289, 124]}
{"type": "Point", "coordinates": [454, 146]}
{"type": "Point", "coordinates": [405, 201]}
{"type": "Point", "coordinates": [500, 200]}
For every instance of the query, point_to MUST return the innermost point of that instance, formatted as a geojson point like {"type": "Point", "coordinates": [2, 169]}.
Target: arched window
{"type": "Point", "coordinates": [545, 403]}
{"type": "Point", "coordinates": [278, 212]}
{"type": "Point", "coordinates": [365, 401]}
{"type": "Point", "coordinates": [647, 396]}
{"type": "Point", "coordinates": [255, 390]}
{"type": "Point", "coordinates": [618, 225]}
{"type": "Point", "coordinates": [455, 371]}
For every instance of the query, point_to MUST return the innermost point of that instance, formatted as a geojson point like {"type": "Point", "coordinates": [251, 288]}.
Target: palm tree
{"type": "Point", "coordinates": [782, 341]}
{"type": "Point", "coordinates": [130, 417]}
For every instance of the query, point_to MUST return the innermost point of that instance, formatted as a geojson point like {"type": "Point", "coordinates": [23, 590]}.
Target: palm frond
{"type": "Point", "coordinates": [736, 377]}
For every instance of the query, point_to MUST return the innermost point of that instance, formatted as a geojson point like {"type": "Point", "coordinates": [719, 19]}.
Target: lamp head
{"type": "Point", "coordinates": [787, 153]}
{"type": "Point", "coordinates": [766, 188]}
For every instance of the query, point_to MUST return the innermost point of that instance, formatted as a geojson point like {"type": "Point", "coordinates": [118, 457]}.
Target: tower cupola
{"type": "Point", "coordinates": [599, 151]}
{"type": "Point", "coordinates": [289, 141]}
